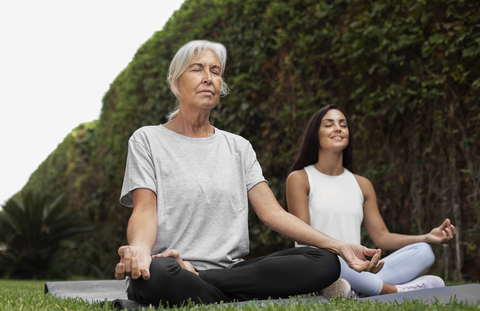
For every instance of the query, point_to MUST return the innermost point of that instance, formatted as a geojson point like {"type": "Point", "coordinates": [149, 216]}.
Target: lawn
{"type": "Point", "coordinates": [28, 295]}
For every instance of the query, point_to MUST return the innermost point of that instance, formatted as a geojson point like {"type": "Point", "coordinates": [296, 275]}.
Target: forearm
{"type": "Point", "coordinates": [142, 229]}
{"type": "Point", "coordinates": [394, 241]}
{"type": "Point", "coordinates": [294, 228]}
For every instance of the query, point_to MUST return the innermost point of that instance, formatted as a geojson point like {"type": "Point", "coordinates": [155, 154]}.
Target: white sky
{"type": "Point", "coordinates": [57, 60]}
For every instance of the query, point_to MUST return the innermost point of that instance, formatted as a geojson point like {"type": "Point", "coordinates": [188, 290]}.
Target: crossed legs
{"type": "Point", "coordinates": [289, 272]}
{"type": "Point", "coordinates": [401, 266]}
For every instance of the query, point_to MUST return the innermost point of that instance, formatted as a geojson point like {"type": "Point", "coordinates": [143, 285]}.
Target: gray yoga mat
{"type": "Point", "coordinates": [467, 294]}
{"type": "Point", "coordinates": [115, 292]}
{"type": "Point", "coordinates": [91, 291]}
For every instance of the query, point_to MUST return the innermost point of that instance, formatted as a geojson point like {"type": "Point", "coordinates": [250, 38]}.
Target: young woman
{"type": "Point", "coordinates": [322, 191]}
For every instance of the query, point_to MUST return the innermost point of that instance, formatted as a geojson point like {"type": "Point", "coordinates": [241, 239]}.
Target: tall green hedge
{"type": "Point", "coordinates": [406, 71]}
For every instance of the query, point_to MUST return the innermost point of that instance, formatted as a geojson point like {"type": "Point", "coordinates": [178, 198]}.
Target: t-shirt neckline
{"type": "Point", "coordinates": [180, 136]}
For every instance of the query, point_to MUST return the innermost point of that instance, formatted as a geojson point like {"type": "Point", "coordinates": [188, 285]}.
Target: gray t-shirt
{"type": "Point", "coordinates": [201, 186]}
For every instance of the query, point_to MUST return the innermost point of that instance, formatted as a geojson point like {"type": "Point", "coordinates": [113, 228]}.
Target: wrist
{"type": "Point", "coordinates": [337, 247]}
{"type": "Point", "coordinates": [425, 238]}
{"type": "Point", "coordinates": [139, 247]}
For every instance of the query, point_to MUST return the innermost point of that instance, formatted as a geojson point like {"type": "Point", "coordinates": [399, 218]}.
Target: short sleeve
{"type": "Point", "coordinates": [253, 170]}
{"type": "Point", "coordinates": [139, 171]}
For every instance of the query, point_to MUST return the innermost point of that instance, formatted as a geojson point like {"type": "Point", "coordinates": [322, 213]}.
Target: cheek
{"type": "Point", "coordinates": [321, 139]}
{"type": "Point", "coordinates": [218, 85]}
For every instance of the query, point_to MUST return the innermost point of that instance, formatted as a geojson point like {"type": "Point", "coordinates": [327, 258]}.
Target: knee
{"type": "Point", "coordinates": [162, 271]}
{"type": "Point", "coordinates": [328, 270]}
{"type": "Point", "coordinates": [428, 257]}
{"type": "Point", "coordinates": [334, 265]}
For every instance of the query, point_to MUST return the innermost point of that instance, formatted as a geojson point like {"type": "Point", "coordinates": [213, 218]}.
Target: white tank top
{"type": "Point", "coordinates": [335, 204]}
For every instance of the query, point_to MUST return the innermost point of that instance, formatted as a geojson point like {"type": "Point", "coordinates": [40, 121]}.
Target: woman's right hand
{"type": "Point", "coordinates": [355, 256]}
{"type": "Point", "coordinates": [134, 262]}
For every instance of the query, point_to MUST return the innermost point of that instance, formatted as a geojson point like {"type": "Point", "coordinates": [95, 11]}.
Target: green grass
{"type": "Point", "coordinates": [28, 295]}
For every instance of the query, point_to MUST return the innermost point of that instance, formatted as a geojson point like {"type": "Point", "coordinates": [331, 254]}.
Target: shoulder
{"type": "Point", "coordinates": [232, 137]}
{"type": "Point", "coordinates": [298, 179]}
{"type": "Point", "coordinates": [144, 133]}
{"type": "Point", "coordinates": [365, 185]}
{"type": "Point", "coordinates": [298, 175]}
{"type": "Point", "coordinates": [235, 142]}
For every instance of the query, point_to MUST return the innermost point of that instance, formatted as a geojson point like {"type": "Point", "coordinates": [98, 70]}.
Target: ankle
{"type": "Point", "coordinates": [388, 289]}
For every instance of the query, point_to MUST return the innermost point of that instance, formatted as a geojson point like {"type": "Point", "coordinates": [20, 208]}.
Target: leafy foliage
{"type": "Point", "coordinates": [31, 233]}
{"type": "Point", "coordinates": [406, 71]}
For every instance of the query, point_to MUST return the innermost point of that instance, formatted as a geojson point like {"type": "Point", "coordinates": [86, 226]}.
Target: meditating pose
{"type": "Point", "coordinates": [190, 184]}
{"type": "Point", "coordinates": [322, 191]}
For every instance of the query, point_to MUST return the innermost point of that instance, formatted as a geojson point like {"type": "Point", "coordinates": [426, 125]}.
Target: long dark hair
{"type": "Point", "coordinates": [309, 144]}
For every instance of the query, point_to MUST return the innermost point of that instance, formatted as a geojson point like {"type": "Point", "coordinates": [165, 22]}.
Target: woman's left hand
{"type": "Point", "coordinates": [176, 255]}
{"type": "Point", "coordinates": [442, 234]}
{"type": "Point", "coordinates": [355, 257]}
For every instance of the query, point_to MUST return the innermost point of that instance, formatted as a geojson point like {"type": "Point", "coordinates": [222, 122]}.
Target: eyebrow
{"type": "Point", "coordinates": [331, 120]}
{"type": "Point", "coordinates": [201, 65]}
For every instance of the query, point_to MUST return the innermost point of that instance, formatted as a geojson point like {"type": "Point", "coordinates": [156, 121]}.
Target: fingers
{"type": "Point", "coordinates": [119, 271]}
{"type": "Point", "coordinates": [171, 253]}
{"type": "Point", "coordinates": [454, 230]}
{"type": "Point", "coordinates": [135, 273]}
{"type": "Point", "coordinates": [121, 251]}
{"type": "Point", "coordinates": [373, 264]}
{"type": "Point", "coordinates": [370, 252]}
{"type": "Point", "coordinates": [190, 267]}
{"type": "Point", "coordinates": [449, 231]}
{"type": "Point", "coordinates": [445, 224]}
{"type": "Point", "coordinates": [128, 265]}
{"type": "Point", "coordinates": [145, 274]}
{"type": "Point", "coordinates": [378, 267]}
{"type": "Point", "coordinates": [120, 267]}
{"type": "Point", "coordinates": [127, 260]}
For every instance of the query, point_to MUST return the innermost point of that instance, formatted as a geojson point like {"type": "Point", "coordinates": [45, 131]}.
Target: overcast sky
{"type": "Point", "coordinates": [57, 60]}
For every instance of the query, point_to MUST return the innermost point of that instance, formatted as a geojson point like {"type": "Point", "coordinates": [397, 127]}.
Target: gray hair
{"type": "Point", "coordinates": [182, 59]}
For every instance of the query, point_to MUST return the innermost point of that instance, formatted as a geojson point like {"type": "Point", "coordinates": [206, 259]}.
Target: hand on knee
{"type": "Point", "coordinates": [173, 253]}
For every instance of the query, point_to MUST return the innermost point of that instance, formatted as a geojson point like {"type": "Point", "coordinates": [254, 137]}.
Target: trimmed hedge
{"type": "Point", "coordinates": [407, 72]}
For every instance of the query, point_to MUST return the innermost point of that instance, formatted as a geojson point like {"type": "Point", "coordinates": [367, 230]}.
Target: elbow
{"type": "Point", "coordinates": [381, 244]}
{"type": "Point", "coordinates": [271, 219]}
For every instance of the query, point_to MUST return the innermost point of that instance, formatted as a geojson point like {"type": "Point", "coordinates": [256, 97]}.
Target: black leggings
{"type": "Point", "coordinates": [289, 272]}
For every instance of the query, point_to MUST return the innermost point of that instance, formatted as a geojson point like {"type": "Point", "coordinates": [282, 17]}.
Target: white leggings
{"type": "Point", "coordinates": [400, 267]}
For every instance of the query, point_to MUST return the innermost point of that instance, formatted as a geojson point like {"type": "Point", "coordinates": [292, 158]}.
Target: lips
{"type": "Point", "coordinates": [206, 92]}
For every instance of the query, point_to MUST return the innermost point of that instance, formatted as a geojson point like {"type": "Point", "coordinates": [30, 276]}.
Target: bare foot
{"type": "Point", "coordinates": [176, 255]}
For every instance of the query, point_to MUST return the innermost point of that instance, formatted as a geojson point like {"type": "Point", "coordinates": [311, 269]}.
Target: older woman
{"type": "Point", "coordinates": [189, 184]}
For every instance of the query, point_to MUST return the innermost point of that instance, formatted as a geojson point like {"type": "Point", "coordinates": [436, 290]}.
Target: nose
{"type": "Point", "coordinates": [337, 128]}
{"type": "Point", "coordinates": [207, 78]}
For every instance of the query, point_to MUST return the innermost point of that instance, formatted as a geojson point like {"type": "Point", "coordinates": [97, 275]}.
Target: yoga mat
{"type": "Point", "coordinates": [91, 291]}
{"type": "Point", "coordinates": [115, 291]}
{"type": "Point", "coordinates": [467, 294]}
{"type": "Point", "coordinates": [132, 305]}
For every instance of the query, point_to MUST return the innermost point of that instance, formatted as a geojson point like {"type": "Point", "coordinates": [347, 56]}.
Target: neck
{"type": "Point", "coordinates": [192, 124]}
{"type": "Point", "coordinates": [330, 163]}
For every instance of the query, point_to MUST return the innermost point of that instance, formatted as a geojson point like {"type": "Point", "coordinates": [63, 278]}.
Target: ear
{"type": "Point", "coordinates": [176, 91]}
